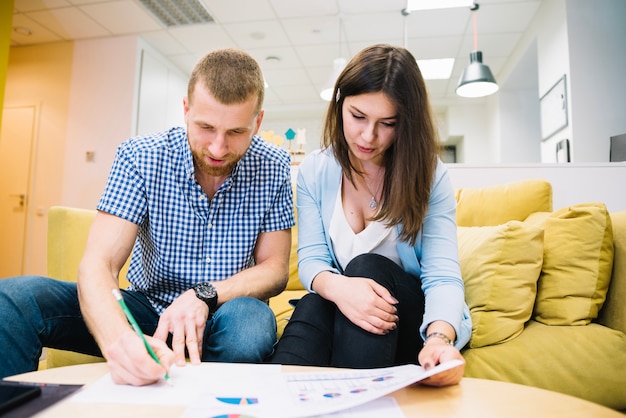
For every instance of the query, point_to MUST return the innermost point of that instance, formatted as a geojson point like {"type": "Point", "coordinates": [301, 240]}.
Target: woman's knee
{"type": "Point", "coordinates": [376, 267]}
{"type": "Point", "coordinates": [368, 265]}
{"type": "Point", "coordinates": [312, 305]}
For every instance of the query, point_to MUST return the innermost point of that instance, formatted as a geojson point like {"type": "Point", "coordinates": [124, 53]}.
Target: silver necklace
{"type": "Point", "coordinates": [373, 203]}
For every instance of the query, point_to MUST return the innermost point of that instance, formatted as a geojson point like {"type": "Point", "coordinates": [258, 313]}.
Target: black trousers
{"type": "Point", "coordinates": [318, 334]}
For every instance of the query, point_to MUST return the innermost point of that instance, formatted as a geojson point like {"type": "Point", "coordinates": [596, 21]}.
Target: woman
{"type": "Point", "coordinates": [377, 232]}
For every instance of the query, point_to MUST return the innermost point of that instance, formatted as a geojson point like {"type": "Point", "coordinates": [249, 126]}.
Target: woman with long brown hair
{"type": "Point", "coordinates": [377, 231]}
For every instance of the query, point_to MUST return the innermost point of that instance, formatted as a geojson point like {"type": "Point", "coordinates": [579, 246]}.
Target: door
{"type": "Point", "coordinates": [16, 150]}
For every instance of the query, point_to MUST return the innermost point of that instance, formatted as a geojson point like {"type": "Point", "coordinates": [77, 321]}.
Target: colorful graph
{"type": "Point", "coordinates": [233, 416]}
{"type": "Point", "coordinates": [382, 378]}
{"type": "Point", "coordinates": [239, 401]}
{"type": "Point", "coordinates": [358, 390]}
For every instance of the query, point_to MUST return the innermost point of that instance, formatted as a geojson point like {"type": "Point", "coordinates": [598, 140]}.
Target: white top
{"type": "Point", "coordinates": [375, 238]}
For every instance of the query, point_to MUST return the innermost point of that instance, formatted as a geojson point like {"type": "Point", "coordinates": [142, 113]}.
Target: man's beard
{"type": "Point", "coordinates": [199, 158]}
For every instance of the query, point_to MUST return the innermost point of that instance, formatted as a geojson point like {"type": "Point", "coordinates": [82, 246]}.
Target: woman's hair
{"type": "Point", "coordinates": [232, 76]}
{"type": "Point", "coordinates": [411, 160]}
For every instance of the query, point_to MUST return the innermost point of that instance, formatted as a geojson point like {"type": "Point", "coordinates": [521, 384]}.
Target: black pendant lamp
{"type": "Point", "coordinates": [477, 79]}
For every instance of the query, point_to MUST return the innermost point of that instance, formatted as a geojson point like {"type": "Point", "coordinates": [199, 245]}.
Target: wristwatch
{"type": "Point", "coordinates": [207, 293]}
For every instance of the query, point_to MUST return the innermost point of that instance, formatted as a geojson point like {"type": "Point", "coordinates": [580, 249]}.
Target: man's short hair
{"type": "Point", "coordinates": [231, 75]}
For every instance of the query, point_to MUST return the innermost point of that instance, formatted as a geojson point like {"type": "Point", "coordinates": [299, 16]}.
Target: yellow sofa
{"type": "Point", "coordinates": [546, 288]}
{"type": "Point", "coordinates": [546, 291]}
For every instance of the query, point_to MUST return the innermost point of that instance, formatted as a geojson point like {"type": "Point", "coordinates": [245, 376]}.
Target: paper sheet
{"type": "Point", "coordinates": [261, 390]}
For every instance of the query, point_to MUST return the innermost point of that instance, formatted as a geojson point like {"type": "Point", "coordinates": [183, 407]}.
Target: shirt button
{"type": "Point", "coordinates": [208, 259]}
{"type": "Point", "coordinates": [209, 226]}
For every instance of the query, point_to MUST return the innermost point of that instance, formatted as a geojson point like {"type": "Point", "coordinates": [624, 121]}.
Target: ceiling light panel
{"type": "Point", "coordinates": [412, 5]}
{"type": "Point", "coordinates": [436, 69]}
{"type": "Point", "coordinates": [178, 12]}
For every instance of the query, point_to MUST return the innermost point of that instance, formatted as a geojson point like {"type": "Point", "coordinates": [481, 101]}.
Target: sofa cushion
{"type": "Point", "coordinates": [613, 313]}
{"type": "Point", "coordinates": [500, 266]}
{"type": "Point", "coordinates": [294, 282]}
{"type": "Point", "coordinates": [577, 264]}
{"type": "Point", "coordinates": [495, 205]}
{"type": "Point", "coordinates": [566, 359]}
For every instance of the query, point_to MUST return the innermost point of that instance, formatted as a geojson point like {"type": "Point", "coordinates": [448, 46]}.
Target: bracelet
{"type": "Point", "coordinates": [439, 335]}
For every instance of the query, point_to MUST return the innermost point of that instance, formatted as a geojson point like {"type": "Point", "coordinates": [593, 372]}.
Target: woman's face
{"type": "Point", "coordinates": [369, 125]}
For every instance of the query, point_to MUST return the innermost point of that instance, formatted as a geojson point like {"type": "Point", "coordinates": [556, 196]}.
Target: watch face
{"type": "Point", "coordinates": [206, 292]}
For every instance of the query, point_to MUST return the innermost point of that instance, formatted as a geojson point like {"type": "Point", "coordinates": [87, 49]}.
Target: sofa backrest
{"type": "Point", "coordinates": [495, 205]}
{"type": "Point", "coordinates": [613, 313]}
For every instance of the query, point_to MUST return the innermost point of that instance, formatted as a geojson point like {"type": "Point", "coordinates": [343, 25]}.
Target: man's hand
{"type": "Point", "coordinates": [366, 303]}
{"type": "Point", "coordinates": [435, 352]}
{"type": "Point", "coordinates": [130, 364]}
{"type": "Point", "coordinates": [185, 319]}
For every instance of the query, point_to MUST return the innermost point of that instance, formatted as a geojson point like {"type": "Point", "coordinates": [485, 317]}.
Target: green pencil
{"type": "Point", "coordinates": [135, 325]}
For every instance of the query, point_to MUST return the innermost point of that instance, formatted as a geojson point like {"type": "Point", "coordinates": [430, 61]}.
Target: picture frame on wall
{"type": "Point", "coordinates": [553, 108]}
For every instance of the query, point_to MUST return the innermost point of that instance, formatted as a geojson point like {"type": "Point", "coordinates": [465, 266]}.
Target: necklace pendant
{"type": "Point", "coordinates": [373, 203]}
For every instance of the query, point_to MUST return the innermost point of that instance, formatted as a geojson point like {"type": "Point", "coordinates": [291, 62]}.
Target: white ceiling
{"type": "Point", "coordinates": [303, 34]}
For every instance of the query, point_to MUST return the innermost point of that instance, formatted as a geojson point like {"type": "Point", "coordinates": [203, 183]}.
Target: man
{"type": "Point", "coordinates": [206, 212]}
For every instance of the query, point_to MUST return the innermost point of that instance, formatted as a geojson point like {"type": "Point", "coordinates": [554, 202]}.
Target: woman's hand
{"type": "Point", "coordinates": [436, 351]}
{"type": "Point", "coordinates": [365, 303]}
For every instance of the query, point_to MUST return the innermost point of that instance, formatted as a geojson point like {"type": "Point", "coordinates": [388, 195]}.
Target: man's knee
{"type": "Point", "coordinates": [243, 330]}
{"type": "Point", "coordinates": [20, 290]}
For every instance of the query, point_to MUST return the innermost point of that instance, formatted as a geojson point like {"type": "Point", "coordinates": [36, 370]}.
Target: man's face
{"type": "Point", "coordinates": [219, 135]}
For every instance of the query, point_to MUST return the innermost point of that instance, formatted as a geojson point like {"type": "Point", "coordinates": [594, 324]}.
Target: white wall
{"type": "Point", "coordinates": [470, 122]}
{"type": "Point", "coordinates": [597, 36]}
{"type": "Point", "coordinates": [518, 133]}
{"type": "Point", "coordinates": [519, 136]}
{"type": "Point", "coordinates": [571, 183]}
{"type": "Point", "coordinates": [100, 116]}
{"type": "Point", "coordinates": [554, 61]}
{"type": "Point", "coordinates": [121, 87]}
{"type": "Point", "coordinates": [161, 89]}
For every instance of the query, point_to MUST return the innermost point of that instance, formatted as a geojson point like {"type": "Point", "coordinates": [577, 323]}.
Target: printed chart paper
{"type": "Point", "coordinates": [262, 390]}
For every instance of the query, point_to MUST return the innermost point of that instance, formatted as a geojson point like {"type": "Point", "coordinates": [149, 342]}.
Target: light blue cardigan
{"type": "Point", "coordinates": [434, 258]}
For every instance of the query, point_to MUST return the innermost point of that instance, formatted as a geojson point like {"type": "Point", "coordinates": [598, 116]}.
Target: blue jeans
{"type": "Point", "coordinates": [38, 312]}
{"type": "Point", "coordinates": [318, 334]}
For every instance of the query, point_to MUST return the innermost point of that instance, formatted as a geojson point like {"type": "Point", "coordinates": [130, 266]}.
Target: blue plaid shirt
{"type": "Point", "coordinates": [184, 237]}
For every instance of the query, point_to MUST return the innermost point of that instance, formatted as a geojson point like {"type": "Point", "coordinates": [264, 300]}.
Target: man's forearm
{"type": "Point", "coordinates": [261, 281]}
{"type": "Point", "coordinates": [100, 310]}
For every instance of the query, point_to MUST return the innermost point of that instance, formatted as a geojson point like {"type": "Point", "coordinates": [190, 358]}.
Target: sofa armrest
{"type": "Point", "coordinates": [613, 313]}
{"type": "Point", "coordinates": [68, 229]}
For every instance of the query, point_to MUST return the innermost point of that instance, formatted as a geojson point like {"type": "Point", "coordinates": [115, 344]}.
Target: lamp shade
{"type": "Point", "coordinates": [476, 80]}
{"type": "Point", "coordinates": [338, 65]}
